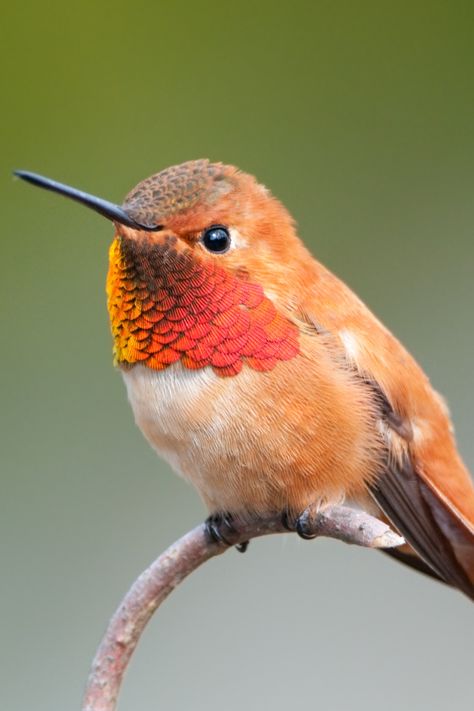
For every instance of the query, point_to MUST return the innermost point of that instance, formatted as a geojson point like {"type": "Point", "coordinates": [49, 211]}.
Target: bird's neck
{"type": "Point", "coordinates": [166, 306]}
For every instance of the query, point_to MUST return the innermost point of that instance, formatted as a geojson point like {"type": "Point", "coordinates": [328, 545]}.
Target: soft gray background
{"type": "Point", "coordinates": [360, 118]}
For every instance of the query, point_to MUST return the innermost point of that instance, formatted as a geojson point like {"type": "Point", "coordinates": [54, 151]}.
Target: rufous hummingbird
{"type": "Point", "coordinates": [261, 377]}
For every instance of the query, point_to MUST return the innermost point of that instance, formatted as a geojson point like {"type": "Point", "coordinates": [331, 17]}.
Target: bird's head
{"type": "Point", "coordinates": [205, 268]}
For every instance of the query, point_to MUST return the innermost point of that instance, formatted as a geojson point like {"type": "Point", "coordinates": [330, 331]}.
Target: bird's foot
{"type": "Point", "coordinates": [301, 523]}
{"type": "Point", "coordinates": [220, 528]}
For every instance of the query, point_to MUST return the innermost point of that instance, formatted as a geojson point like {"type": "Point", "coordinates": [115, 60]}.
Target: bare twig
{"type": "Point", "coordinates": [179, 560]}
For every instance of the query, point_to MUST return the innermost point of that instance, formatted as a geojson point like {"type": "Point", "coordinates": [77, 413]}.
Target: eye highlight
{"type": "Point", "coordinates": [216, 239]}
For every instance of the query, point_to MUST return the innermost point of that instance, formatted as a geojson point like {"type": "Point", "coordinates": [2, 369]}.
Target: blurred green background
{"type": "Point", "coordinates": [359, 116]}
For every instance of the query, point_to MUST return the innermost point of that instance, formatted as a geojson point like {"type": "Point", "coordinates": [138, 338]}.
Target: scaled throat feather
{"type": "Point", "coordinates": [167, 304]}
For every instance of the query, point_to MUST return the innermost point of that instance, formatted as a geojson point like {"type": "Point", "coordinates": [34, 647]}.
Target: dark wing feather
{"type": "Point", "coordinates": [413, 507]}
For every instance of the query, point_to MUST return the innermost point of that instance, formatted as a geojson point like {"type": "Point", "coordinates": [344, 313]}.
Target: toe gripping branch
{"type": "Point", "coordinates": [220, 529]}
{"type": "Point", "coordinates": [303, 524]}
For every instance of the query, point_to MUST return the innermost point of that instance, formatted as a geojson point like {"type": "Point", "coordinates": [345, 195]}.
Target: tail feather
{"type": "Point", "coordinates": [436, 531]}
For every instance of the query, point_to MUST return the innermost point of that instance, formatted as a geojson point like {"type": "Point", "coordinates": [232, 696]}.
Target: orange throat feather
{"type": "Point", "coordinates": [166, 305]}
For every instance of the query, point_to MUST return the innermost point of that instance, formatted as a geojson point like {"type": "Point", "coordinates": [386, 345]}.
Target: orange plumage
{"type": "Point", "coordinates": [263, 379]}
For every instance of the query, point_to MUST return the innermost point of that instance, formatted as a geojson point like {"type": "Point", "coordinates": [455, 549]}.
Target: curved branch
{"type": "Point", "coordinates": [182, 558]}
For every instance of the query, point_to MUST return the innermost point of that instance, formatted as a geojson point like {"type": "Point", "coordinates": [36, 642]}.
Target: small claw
{"type": "Point", "coordinates": [220, 525]}
{"type": "Point", "coordinates": [298, 524]}
{"type": "Point", "coordinates": [302, 527]}
{"type": "Point", "coordinates": [214, 525]}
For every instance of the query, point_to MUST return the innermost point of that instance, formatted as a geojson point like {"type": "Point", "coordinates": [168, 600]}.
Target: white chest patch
{"type": "Point", "coordinates": [171, 407]}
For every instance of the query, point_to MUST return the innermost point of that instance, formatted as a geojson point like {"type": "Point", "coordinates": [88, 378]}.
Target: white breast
{"type": "Point", "coordinates": [173, 408]}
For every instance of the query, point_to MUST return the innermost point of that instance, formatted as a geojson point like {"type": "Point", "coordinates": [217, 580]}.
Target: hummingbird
{"type": "Point", "coordinates": [263, 379]}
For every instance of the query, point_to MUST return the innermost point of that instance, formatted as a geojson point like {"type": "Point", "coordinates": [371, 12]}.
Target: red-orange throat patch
{"type": "Point", "coordinates": [167, 305]}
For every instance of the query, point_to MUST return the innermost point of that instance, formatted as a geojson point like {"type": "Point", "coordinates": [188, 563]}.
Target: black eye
{"type": "Point", "coordinates": [216, 239]}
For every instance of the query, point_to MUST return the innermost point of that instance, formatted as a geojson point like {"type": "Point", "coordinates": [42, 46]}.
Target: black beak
{"type": "Point", "coordinates": [103, 207]}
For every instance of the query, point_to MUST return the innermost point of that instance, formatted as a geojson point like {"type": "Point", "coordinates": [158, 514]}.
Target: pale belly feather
{"type": "Point", "coordinates": [170, 409]}
{"type": "Point", "coordinates": [245, 443]}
